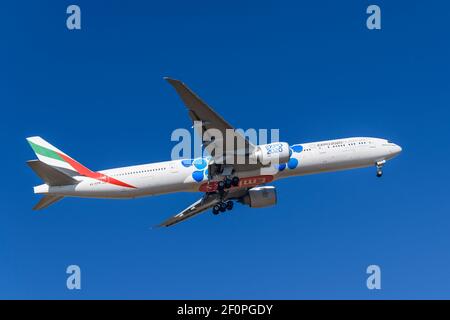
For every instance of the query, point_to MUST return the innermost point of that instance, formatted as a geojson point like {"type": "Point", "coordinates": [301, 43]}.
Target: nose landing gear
{"type": "Point", "coordinates": [379, 165]}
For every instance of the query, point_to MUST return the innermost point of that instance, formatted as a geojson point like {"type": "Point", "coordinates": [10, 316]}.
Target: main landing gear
{"type": "Point", "coordinates": [227, 183]}
{"type": "Point", "coordinates": [222, 186]}
{"type": "Point", "coordinates": [379, 165]}
{"type": "Point", "coordinates": [222, 207]}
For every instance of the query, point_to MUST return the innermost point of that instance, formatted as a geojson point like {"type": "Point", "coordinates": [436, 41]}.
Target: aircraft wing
{"type": "Point", "coordinates": [208, 201]}
{"type": "Point", "coordinates": [200, 111]}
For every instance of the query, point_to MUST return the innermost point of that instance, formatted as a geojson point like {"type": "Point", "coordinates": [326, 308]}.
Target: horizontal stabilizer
{"type": "Point", "coordinates": [50, 175]}
{"type": "Point", "coordinates": [47, 201]}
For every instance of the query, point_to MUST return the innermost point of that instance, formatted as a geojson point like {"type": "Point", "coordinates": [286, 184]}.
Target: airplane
{"type": "Point", "coordinates": [222, 182]}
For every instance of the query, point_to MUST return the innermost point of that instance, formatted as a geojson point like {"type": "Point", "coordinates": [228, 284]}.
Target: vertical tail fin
{"type": "Point", "coordinates": [54, 157]}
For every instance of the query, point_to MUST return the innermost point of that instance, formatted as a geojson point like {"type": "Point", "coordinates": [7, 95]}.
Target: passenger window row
{"type": "Point", "coordinates": [138, 171]}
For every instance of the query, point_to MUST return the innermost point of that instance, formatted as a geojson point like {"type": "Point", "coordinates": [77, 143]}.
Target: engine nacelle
{"type": "Point", "coordinates": [276, 153]}
{"type": "Point", "coordinates": [259, 197]}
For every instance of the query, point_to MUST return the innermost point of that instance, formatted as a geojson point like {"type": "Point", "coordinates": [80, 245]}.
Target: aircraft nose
{"type": "Point", "coordinates": [396, 149]}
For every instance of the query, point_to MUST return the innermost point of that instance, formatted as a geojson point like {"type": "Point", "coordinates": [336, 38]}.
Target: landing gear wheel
{"type": "Point", "coordinates": [227, 183]}
{"type": "Point", "coordinates": [230, 205]}
{"type": "Point", "coordinates": [223, 206]}
{"type": "Point", "coordinates": [379, 173]}
{"type": "Point", "coordinates": [221, 185]}
{"type": "Point", "coordinates": [235, 181]}
{"type": "Point", "coordinates": [216, 209]}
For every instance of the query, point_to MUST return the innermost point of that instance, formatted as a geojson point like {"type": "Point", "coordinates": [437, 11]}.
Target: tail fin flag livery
{"type": "Point", "coordinates": [221, 181]}
{"type": "Point", "coordinates": [57, 169]}
{"type": "Point", "coordinates": [54, 157]}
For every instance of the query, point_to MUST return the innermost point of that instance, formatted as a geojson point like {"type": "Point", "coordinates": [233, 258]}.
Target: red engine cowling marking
{"type": "Point", "coordinates": [247, 182]}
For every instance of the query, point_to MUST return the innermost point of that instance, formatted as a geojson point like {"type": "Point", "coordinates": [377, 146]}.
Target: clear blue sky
{"type": "Point", "coordinates": [311, 69]}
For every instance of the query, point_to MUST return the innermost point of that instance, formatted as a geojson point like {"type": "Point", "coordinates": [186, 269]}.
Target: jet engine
{"type": "Point", "coordinates": [275, 153]}
{"type": "Point", "coordinates": [259, 197]}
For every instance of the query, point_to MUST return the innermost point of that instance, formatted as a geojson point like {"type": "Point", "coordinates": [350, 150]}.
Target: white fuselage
{"type": "Point", "coordinates": [176, 176]}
